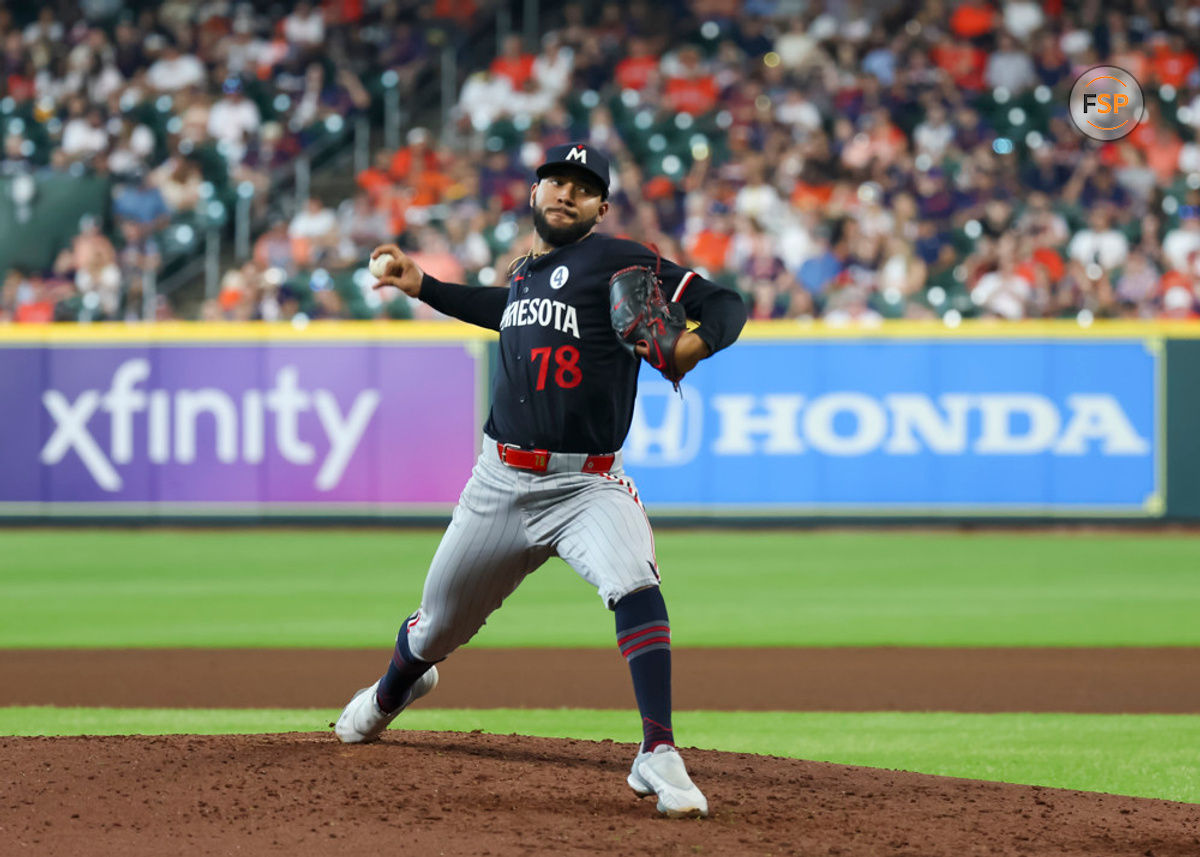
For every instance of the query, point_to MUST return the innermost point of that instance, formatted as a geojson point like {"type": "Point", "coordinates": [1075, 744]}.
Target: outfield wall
{"type": "Point", "coordinates": [368, 420]}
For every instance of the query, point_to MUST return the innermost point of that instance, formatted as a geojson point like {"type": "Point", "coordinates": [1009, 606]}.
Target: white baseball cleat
{"type": "Point", "coordinates": [663, 773]}
{"type": "Point", "coordinates": [362, 721]}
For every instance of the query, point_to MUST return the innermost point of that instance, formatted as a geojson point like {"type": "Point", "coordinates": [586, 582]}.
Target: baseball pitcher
{"type": "Point", "coordinates": [580, 313]}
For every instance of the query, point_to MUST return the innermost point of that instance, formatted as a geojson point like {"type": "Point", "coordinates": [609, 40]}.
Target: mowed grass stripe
{"type": "Point", "coordinates": [337, 588]}
{"type": "Point", "coordinates": [1140, 755]}
{"type": "Point", "coordinates": [351, 588]}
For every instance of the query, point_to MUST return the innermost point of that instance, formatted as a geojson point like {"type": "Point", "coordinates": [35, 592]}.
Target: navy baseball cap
{"type": "Point", "coordinates": [578, 156]}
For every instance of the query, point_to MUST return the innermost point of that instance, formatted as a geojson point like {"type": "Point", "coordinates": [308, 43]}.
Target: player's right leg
{"type": "Point", "coordinates": [603, 533]}
{"type": "Point", "coordinates": [482, 558]}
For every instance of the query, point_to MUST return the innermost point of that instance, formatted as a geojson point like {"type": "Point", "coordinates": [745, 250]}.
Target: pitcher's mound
{"type": "Point", "coordinates": [426, 793]}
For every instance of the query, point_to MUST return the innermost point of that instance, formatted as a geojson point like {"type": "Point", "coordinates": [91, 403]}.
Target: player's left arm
{"type": "Point", "coordinates": [721, 313]}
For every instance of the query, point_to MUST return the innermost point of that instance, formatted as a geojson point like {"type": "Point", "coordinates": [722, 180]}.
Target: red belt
{"type": "Point", "coordinates": [538, 460]}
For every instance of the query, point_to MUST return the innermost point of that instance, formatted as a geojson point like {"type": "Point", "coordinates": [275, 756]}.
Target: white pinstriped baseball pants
{"type": "Point", "coordinates": [508, 522]}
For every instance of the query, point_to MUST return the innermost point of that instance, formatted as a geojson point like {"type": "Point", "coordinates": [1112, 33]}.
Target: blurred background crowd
{"type": "Point", "coordinates": [838, 159]}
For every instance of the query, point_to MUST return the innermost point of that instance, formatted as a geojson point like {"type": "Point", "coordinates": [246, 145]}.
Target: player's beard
{"type": "Point", "coordinates": [560, 236]}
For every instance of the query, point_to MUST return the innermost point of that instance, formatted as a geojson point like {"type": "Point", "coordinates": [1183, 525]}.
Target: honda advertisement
{"type": "Point", "coordinates": [905, 427]}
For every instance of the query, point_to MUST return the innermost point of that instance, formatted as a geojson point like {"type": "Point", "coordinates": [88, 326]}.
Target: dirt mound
{"type": "Point", "coordinates": [418, 793]}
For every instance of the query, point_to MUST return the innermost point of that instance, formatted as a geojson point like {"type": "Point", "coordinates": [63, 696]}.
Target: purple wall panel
{"type": "Point", "coordinates": [316, 425]}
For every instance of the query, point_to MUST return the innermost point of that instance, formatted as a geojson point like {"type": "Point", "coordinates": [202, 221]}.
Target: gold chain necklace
{"type": "Point", "coordinates": [516, 263]}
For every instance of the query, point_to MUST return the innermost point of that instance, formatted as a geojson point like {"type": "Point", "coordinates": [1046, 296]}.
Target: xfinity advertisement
{"type": "Point", "coordinates": [319, 425]}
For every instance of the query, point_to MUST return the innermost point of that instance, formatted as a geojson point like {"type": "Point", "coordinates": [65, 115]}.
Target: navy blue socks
{"type": "Point", "coordinates": [401, 674]}
{"type": "Point", "coordinates": [644, 636]}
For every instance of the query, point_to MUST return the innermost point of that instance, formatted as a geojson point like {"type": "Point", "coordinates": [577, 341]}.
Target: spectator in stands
{"type": "Point", "coordinates": [315, 229]}
{"type": "Point", "coordinates": [276, 249]}
{"type": "Point", "coordinates": [934, 135]}
{"type": "Point", "coordinates": [552, 68]}
{"type": "Point", "coordinates": [467, 242]}
{"type": "Point", "coordinates": [758, 198]}
{"type": "Point", "coordinates": [175, 70]}
{"type": "Point", "coordinates": [95, 65]}
{"type": "Point", "coordinates": [1003, 292]}
{"type": "Point", "coordinates": [424, 186]}
{"type": "Point", "coordinates": [140, 209]}
{"type": "Point", "coordinates": [851, 305]}
{"type": "Point", "coordinates": [433, 256]}
{"type": "Point", "coordinates": [820, 270]}
{"type": "Point", "coordinates": [1045, 172]}
{"type": "Point", "coordinates": [376, 180]}
{"type": "Point", "coordinates": [514, 63]}
{"type": "Point", "coordinates": [84, 135]}
{"type": "Point", "coordinates": [178, 179]}
{"type": "Point", "coordinates": [321, 98]}
{"type": "Point", "coordinates": [239, 53]}
{"type": "Point", "coordinates": [91, 261]}
{"type": "Point", "coordinates": [234, 119]}
{"type": "Point", "coordinates": [27, 298]}
{"type": "Point", "coordinates": [406, 52]}
{"type": "Point", "coordinates": [128, 51]}
{"type": "Point", "coordinates": [362, 228]}
{"type": "Point", "coordinates": [1010, 67]}
{"type": "Point", "coordinates": [1139, 279]}
{"type": "Point", "coordinates": [962, 61]}
{"type": "Point", "coordinates": [17, 152]}
{"type": "Point", "coordinates": [1181, 245]}
{"type": "Point", "coordinates": [1040, 220]}
{"type": "Point", "coordinates": [273, 148]}
{"type": "Point", "coordinates": [689, 87]}
{"type": "Point", "coordinates": [1179, 303]}
{"type": "Point", "coordinates": [1172, 61]}
{"type": "Point", "coordinates": [481, 101]}
{"type": "Point", "coordinates": [46, 29]}
{"type": "Point", "coordinates": [636, 69]}
{"type": "Point", "coordinates": [304, 28]}
{"type": "Point", "coordinates": [797, 47]}
{"type": "Point", "coordinates": [903, 272]}
{"type": "Point", "coordinates": [1022, 18]}
{"type": "Point", "coordinates": [1099, 243]}
{"type": "Point", "coordinates": [418, 154]}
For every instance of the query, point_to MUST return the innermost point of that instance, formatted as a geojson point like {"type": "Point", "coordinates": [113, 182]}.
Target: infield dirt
{"type": "Point", "coordinates": [422, 793]}
{"type": "Point", "coordinates": [1106, 681]}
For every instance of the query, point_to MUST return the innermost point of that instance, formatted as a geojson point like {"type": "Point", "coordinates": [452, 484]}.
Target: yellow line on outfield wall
{"type": "Point", "coordinates": [974, 329]}
{"type": "Point", "coordinates": [433, 331]}
{"type": "Point", "coordinates": [247, 331]}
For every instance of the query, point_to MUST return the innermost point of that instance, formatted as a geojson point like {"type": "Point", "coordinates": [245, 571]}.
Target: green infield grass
{"type": "Point", "coordinates": [1145, 755]}
{"type": "Point", "coordinates": [340, 588]}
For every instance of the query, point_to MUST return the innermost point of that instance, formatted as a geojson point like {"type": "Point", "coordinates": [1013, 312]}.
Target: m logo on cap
{"type": "Point", "coordinates": [579, 154]}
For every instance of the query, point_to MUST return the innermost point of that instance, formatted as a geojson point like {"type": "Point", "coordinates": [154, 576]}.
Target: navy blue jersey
{"type": "Point", "coordinates": [565, 381]}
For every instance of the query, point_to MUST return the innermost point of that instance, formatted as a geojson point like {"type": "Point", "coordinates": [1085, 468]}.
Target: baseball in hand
{"type": "Point", "coordinates": [379, 265]}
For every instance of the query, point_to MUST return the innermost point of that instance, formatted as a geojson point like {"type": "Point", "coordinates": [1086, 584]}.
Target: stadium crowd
{"type": "Point", "coordinates": [177, 105]}
{"type": "Point", "coordinates": [844, 160]}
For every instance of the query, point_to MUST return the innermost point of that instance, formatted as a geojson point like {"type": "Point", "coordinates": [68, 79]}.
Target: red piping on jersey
{"type": "Point", "coordinates": [682, 285]}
